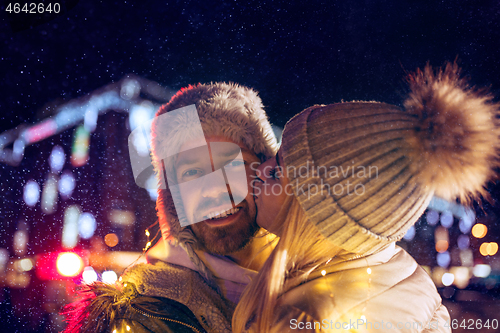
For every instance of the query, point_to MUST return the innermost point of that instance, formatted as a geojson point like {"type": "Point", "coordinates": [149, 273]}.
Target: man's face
{"type": "Point", "coordinates": [226, 226]}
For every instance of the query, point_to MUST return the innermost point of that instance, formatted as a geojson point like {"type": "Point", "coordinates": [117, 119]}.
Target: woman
{"type": "Point", "coordinates": [348, 181]}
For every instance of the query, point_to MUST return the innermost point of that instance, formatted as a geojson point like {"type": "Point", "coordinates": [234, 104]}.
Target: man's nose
{"type": "Point", "coordinates": [213, 188]}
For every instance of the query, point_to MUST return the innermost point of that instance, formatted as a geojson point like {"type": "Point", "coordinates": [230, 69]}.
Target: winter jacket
{"type": "Point", "coordinates": [151, 298]}
{"type": "Point", "coordinates": [384, 292]}
{"type": "Point", "coordinates": [165, 295]}
{"type": "Point", "coordinates": [140, 313]}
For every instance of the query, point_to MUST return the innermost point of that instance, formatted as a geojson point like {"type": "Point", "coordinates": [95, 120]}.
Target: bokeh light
{"type": "Point", "coordinates": [463, 242]}
{"type": "Point", "coordinates": [443, 259]}
{"type": "Point", "coordinates": [70, 227]}
{"type": "Point", "coordinates": [4, 258]}
{"type": "Point", "coordinates": [49, 195]}
{"type": "Point", "coordinates": [482, 270]}
{"type": "Point", "coordinates": [488, 249]}
{"type": "Point", "coordinates": [152, 187]}
{"type": "Point", "coordinates": [492, 248]}
{"type": "Point", "coordinates": [80, 149]}
{"type": "Point", "coordinates": [437, 276]}
{"type": "Point", "coordinates": [86, 225]}
{"type": "Point", "coordinates": [111, 240]}
{"type": "Point", "coordinates": [26, 264]}
{"type": "Point", "coordinates": [69, 264]}
{"type": "Point", "coordinates": [441, 246]}
{"type": "Point", "coordinates": [20, 242]}
{"type": "Point", "coordinates": [109, 277]}
{"type": "Point", "coordinates": [447, 279]}
{"type": "Point", "coordinates": [462, 276]}
{"type": "Point", "coordinates": [57, 158]}
{"type": "Point", "coordinates": [465, 224]}
{"type": "Point", "coordinates": [447, 219]}
{"type": "Point", "coordinates": [479, 230]}
{"type": "Point", "coordinates": [432, 217]}
{"type": "Point", "coordinates": [66, 184]}
{"type": "Point", "coordinates": [467, 257]}
{"type": "Point", "coordinates": [31, 193]}
{"type": "Point", "coordinates": [89, 275]}
{"type": "Point", "coordinates": [410, 234]}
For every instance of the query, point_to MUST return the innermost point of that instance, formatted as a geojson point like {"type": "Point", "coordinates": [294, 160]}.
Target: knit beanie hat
{"type": "Point", "coordinates": [223, 109]}
{"type": "Point", "coordinates": [364, 172]}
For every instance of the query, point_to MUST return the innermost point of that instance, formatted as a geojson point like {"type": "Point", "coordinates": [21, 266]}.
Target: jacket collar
{"type": "Point", "coordinates": [231, 277]}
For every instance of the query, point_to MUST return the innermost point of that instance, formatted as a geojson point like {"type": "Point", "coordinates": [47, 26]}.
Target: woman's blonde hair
{"type": "Point", "coordinates": [300, 250]}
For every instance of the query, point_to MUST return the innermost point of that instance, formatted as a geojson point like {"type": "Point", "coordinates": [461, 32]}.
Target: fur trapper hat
{"type": "Point", "coordinates": [364, 172]}
{"type": "Point", "coordinates": [223, 109]}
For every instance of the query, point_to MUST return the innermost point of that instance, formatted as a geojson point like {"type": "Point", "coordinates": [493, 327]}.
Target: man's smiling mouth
{"type": "Point", "coordinates": [221, 214]}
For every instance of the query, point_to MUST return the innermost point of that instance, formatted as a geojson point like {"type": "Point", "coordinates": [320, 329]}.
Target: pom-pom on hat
{"type": "Point", "coordinates": [224, 109]}
{"type": "Point", "coordinates": [364, 172]}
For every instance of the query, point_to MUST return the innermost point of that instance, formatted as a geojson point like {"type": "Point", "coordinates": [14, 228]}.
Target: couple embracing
{"type": "Point", "coordinates": [262, 239]}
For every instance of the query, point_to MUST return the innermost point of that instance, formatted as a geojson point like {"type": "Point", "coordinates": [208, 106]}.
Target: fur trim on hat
{"type": "Point", "coordinates": [224, 109]}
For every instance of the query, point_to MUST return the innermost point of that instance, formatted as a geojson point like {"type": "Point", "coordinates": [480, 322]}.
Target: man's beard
{"type": "Point", "coordinates": [225, 240]}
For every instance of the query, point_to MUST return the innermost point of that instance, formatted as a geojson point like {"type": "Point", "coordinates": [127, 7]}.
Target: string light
{"type": "Point", "coordinates": [148, 244]}
{"type": "Point", "coordinates": [369, 273]}
{"type": "Point", "coordinates": [148, 234]}
{"type": "Point", "coordinates": [323, 272]}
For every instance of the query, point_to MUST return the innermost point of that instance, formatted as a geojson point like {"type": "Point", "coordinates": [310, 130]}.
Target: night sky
{"type": "Point", "coordinates": [295, 55]}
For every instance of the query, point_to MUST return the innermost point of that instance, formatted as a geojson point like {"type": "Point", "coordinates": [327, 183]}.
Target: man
{"type": "Point", "coordinates": [211, 244]}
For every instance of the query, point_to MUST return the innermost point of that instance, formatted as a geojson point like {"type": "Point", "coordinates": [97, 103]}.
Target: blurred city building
{"type": "Point", "coordinates": [71, 212]}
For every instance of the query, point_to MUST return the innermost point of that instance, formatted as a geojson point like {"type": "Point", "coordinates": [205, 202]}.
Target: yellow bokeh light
{"type": "Point", "coordinates": [69, 264]}
{"type": "Point", "coordinates": [462, 276]}
{"type": "Point", "coordinates": [483, 249]}
{"type": "Point", "coordinates": [488, 249]}
{"type": "Point", "coordinates": [441, 246]}
{"type": "Point", "coordinates": [492, 248]}
{"type": "Point", "coordinates": [111, 240]}
{"type": "Point", "coordinates": [26, 264]}
{"type": "Point", "coordinates": [479, 230]}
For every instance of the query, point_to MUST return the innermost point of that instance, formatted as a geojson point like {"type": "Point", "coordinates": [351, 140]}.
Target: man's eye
{"type": "Point", "coordinates": [236, 163]}
{"type": "Point", "coordinates": [190, 173]}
